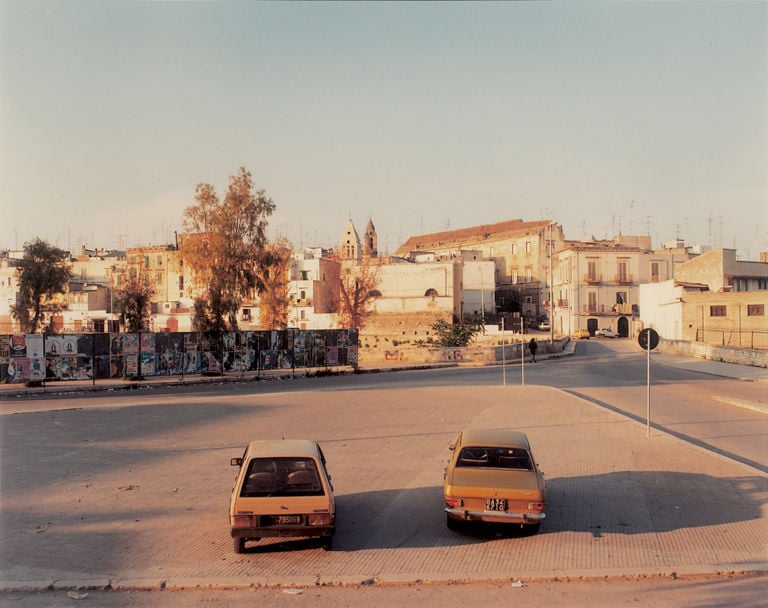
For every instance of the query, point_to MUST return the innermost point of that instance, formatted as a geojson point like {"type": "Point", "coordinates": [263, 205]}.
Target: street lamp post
{"type": "Point", "coordinates": [551, 301]}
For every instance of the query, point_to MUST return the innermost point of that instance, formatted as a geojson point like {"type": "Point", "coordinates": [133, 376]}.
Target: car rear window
{"type": "Point", "coordinates": [495, 457]}
{"type": "Point", "coordinates": [282, 477]}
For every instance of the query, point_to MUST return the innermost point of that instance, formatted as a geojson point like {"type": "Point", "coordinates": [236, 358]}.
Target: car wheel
{"type": "Point", "coordinates": [453, 524]}
{"type": "Point", "coordinates": [328, 543]}
{"type": "Point", "coordinates": [532, 528]}
{"type": "Point", "coordinates": [239, 545]}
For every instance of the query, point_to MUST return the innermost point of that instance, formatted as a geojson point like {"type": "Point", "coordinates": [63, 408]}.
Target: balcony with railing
{"type": "Point", "coordinates": [603, 309]}
{"type": "Point", "coordinates": [593, 279]}
{"type": "Point", "coordinates": [624, 279]}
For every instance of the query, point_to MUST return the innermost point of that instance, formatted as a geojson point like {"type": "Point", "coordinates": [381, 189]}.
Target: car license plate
{"type": "Point", "coordinates": [495, 504]}
{"type": "Point", "coordinates": [289, 519]}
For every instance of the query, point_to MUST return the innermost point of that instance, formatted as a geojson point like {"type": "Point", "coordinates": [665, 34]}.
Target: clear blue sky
{"type": "Point", "coordinates": [639, 117]}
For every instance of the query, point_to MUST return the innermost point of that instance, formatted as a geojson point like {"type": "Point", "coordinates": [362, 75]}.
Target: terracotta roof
{"type": "Point", "coordinates": [469, 236]}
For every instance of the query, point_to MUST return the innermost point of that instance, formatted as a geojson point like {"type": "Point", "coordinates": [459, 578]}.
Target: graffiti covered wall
{"type": "Point", "coordinates": [40, 357]}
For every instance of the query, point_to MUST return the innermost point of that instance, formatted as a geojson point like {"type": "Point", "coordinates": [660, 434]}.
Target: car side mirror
{"type": "Point", "coordinates": [235, 462]}
{"type": "Point", "coordinates": [451, 446]}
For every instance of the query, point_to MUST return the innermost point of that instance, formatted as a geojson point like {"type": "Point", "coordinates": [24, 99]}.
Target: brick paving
{"type": "Point", "coordinates": [134, 492]}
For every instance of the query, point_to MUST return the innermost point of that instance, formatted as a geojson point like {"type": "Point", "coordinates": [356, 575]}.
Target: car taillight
{"type": "Point", "coordinates": [536, 506]}
{"type": "Point", "coordinates": [241, 521]}
{"type": "Point", "coordinates": [320, 519]}
{"type": "Point", "coordinates": [450, 501]}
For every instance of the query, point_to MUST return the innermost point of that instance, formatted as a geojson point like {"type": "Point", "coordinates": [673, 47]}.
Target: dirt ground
{"type": "Point", "coordinates": [734, 592]}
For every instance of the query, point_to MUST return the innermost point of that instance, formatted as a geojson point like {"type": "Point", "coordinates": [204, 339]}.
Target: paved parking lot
{"type": "Point", "coordinates": [133, 492]}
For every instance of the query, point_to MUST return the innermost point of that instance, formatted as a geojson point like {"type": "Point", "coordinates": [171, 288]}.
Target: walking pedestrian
{"type": "Point", "coordinates": [532, 346]}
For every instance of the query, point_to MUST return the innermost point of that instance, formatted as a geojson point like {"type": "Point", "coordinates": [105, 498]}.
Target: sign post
{"type": "Point", "coordinates": [648, 339]}
{"type": "Point", "coordinates": [503, 356]}
{"type": "Point", "coordinates": [522, 353]}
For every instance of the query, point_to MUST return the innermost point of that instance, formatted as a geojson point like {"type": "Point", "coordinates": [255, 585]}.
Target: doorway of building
{"type": "Point", "coordinates": [591, 326]}
{"type": "Point", "coordinates": [623, 327]}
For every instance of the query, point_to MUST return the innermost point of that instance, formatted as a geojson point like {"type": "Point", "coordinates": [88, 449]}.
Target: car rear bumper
{"type": "Point", "coordinates": [495, 516]}
{"type": "Point", "coordinates": [276, 531]}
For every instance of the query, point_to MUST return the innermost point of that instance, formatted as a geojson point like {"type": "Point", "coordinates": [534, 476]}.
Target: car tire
{"type": "Point", "coordinates": [453, 524]}
{"type": "Point", "coordinates": [328, 543]}
{"type": "Point", "coordinates": [239, 545]}
{"type": "Point", "coordinates": [532, 529]}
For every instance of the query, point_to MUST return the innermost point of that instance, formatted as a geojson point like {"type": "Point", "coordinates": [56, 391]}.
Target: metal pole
{"type": "Point", "coordinates": [551, 296]}
{"type": "Point", "coordinates": [648, 384]}
{"type": "Point", "coordinates": [503, 356]}
{"type": "Point", "coordinates": [522, 353]}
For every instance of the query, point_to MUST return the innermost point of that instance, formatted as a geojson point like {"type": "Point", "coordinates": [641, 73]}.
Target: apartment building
{"type": "Point", "coordinates": [714, 298]}
{"type": "Point", "coordinates": [595, 283]}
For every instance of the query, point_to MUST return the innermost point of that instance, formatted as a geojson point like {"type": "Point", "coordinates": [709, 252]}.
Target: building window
{"type": "Point", "coordinates": [527, 247]}
{"type": "Point", "coordinates": [514, 276]}
{"type": "Point", "coordinates": [592, 271]}
{"type": "Point", "coordinates": [514, 248]}
{"type": "Point", "coordinates": [303, 295]}
{"type": "Point", "coordinates": [717, 311]}
{"type": "Point", "coordinates": [246, 314]}
{"type": "Point", "coordinates": [592, 295]}
{"type": "Point", "coordinates": [621, 272]}
{"type": "Point", "coordinates": [181, 282]}
{"type": "Point", "coordinates": [528, 274]}
{"type": "Point", "coordinates": [654, 272]}
{"type": "Point", "coordinates": [755, 310]}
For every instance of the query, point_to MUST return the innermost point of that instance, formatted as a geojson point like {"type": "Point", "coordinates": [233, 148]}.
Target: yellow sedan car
{"type": "Point", "coordinates": [282, 488]}
{"type": "Point", "coordinates": [493, 477]}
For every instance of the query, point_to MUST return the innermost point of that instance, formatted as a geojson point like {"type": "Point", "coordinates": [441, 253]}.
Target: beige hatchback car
{"type": "Point", "coordinates": [282, 489]}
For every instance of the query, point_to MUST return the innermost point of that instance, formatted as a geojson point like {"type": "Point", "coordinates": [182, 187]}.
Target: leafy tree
{"type": "Point", "coordinates": [225, 241]}
{"type": "Point", "coordinates": [272, 268]}
{"type": "Point", "coordinates": [43, 272]}
{"type": "Point", "coordinates": [457, 334]}
{"type": "Point", "coordinates": [357, 289]}
{"type": "Point", "coordinates": [133, 301]}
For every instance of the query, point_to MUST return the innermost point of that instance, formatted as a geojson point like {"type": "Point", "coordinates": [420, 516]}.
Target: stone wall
{"type": "Point", "coordinates": [479, 355]}
{"type": "Point", "coordinates": [726, 354]}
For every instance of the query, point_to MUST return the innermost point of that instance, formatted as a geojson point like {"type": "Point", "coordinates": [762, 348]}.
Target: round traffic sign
{"type": "Point", "coordinates": [648, 339]}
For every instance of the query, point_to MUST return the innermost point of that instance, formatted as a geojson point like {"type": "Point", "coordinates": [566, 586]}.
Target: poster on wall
{"type": "Point", "coordinates": [333, 355]}
{"type": "Point", "coordinates": [131, 344]}
{"type": "Point", "coordinates": [147, 364]}
{"type": "Point", "coordinates": [35, 357]}
{"type": "Point", "coordinates": [5, 357]}
{"type": "Point", "coordinates": [18, 345]}
{"type": "Point", "coordinates": [131, 366]}
{"type": "Point", "coordinates": [84, 367]}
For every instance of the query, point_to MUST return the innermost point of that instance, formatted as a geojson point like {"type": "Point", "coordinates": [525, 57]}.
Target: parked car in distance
{"type": "Point", "coordinates": [606, 333]}
{"type": "Point", "coordinates": [544, 326]}
{"type": "Point", "coordinates": [282, 488]}
{"type": "Point", "coordinates": [493, 477]}
{"type": "Point", "coordinates": [581, 334]}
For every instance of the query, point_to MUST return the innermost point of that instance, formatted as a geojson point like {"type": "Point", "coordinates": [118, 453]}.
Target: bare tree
{"type": "Point", "coordinates": [133, 300]}
{"type": "Point", "coordinates": [357, 290]}
{"type": "Point", "coordinates": [273, 268]}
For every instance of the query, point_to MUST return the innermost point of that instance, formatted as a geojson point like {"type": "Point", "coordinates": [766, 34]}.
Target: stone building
{"type": "Point", "coordinates": [520, 252]}
{"type": "Point", "coordinates": [714, 298]}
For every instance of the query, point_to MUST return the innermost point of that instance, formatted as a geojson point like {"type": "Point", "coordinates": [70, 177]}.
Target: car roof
{"type": "Point", "coordinates": [495, 437]}
{"type": "Point", "coordinates": [282, 447]}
